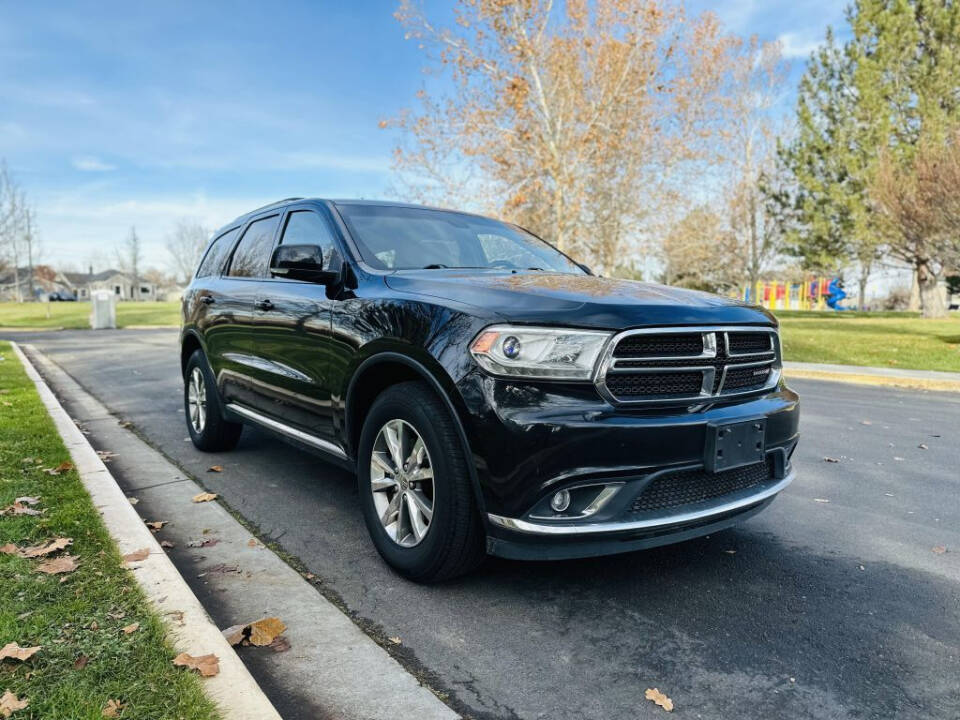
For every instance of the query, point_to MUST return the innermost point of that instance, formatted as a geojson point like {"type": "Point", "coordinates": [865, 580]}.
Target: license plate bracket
{"type": "Point", "coordinates": [735, 444]}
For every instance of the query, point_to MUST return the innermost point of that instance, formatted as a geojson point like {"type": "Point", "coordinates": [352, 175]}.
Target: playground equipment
{"type": "Point", "coordinates": [813, 293]}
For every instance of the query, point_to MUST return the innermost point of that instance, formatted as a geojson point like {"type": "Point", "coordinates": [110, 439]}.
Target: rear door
{"type": "Point", "coordinates": [232, 348]}
{"type": "Point", "coordinates": [293, 336]}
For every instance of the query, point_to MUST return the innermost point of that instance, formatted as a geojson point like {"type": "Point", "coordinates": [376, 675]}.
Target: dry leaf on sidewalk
{"type": "Point", "coordinates": [65, 564]}
{"type": "Point", "coordinates": [15, 652]}
{"type": "Point", "coordinates": [215, 468]}
{"type": "Point", "coordinates": [206, 665]}
{"type": "Point", "coordinates": [155, 525]}
{"type": "Point", "coordinates": [939, 549]}
{"type": "Point", "coordinates": [261, 632]}
{"type": "Point", "coordinates": [204, 497]}
{"type": "Point", "coordinates": [10, 703]}
{"type": "Point", "coordinates": [112, 708]}
{"type": "Point", "coordinates": [137, 555]}
{"type": "Point", "coordinates": [51, 546]}
{"type": "Point", "coordinates": [659, 698]}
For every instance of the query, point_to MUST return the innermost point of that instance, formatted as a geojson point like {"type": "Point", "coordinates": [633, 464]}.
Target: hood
{"type": "Point", "coordinates": [578, 300]}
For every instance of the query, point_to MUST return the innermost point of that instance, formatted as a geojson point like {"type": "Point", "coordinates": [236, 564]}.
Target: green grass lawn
{"type": "Point", "coordinates": [76, 618]}
{"type": "Point", "coordinates": [77, 314]}
{"type": "Point", "coordinates": [884, 339]}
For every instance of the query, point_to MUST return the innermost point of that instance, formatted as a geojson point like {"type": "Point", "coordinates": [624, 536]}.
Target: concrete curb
{"type": "Point", "coordinates": [878, 377]}
{"type": "Point", "coordinates": [234, 690]}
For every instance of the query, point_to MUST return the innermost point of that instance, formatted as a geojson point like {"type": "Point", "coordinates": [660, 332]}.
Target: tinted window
{"type": "Point", "coordinates": [307, 228]}
{"type": "Point", "coordinates": [252, 256]}
{"type": "Point", "coordinates": [213, 262]}
{"type": "Point", "coordinates": [403, 238]}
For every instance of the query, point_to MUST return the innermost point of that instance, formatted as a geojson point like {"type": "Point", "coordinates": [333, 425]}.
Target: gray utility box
{"type": "Point", "coordinates": [103, 310]}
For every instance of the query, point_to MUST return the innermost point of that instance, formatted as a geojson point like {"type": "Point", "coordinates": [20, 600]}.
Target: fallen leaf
{"type": "Point", "coordinates": [167, 544]}
{"type": "Point", "coordinates": [18, 508]}
{"type": "Point", "coordinates": [94, 625]}
{"type": "Point", "coordinates": [15, 652]}
{"type": "Point", "coordinates": [923, 446]}
{"type": "Point", "coordinates": [112, 708]}
{"type": "Point", "coordinates": [64, 466]}
{"type": "Point", "coordinates": [215, 468]}
{"type": "Point", "coordinates": [395, 641]}
{"type": "Point", "coordinates": [205, 542]}
{"type": "Point", "coordinates": [659, 698]}
{"type": "Point", "coordinates": [106, 455]}
{"type": "Point", "coordinates": [131, 628]}
{"type": "Point", "coordinates": [125, 423]}
{"type": "Point", "coordinates": [939, 549]}
{"type": "Point", "coordinates": [10, 703]}
{"type": "Point", "coordinates": [830, 460]}
{"type": "Point", "coordinates": [821, 500]}
{"type": "Point", "coordinates": [156, 524]}
{"type": "Point", "coordinates": [27, 500]}
{"type": "Point", "coordinates": [51, 546]}
{"type": "Point", "coordinates": [206, 665]}
{"type": "Point", "coordinates": [204, 497]}
{"type": "Point", "coordinates": [65, 564]}
{"type": "Point", "coordinates": [137, 555]}
{"type": "Point", "coordinates": [176, 616]}
{"type": "Point", "coordinates": [9, 549]}
{"type": "Point", "coordinates": [81, 662]}
{"type": "Point", "coordinates": [260, 632]}
{"type": "Point", "coordinates": [252, 542]}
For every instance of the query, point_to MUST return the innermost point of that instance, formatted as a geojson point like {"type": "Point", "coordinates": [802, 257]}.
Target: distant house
{"type": "Point", "coordinates": [119, 283]}
{"type": "Point", "coordinates": [46, 280]}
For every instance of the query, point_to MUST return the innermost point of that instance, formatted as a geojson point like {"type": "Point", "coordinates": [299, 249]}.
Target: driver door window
{"type": "Point", "coordinates": [305, 227]}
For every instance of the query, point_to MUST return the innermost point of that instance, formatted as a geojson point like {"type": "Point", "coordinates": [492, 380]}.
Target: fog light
{"type": "Point", "coordinates": [560, 501]}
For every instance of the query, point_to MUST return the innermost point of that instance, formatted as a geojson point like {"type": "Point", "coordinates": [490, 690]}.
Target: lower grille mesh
{"type": "Point", "coordinates": [692, 486]}
{"type": "Point", "coordinates": [653, 384]}
{"type": "Point", "coordinates": [740, 378]}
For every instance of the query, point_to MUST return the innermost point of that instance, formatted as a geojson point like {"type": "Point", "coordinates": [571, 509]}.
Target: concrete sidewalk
{"type": "Point", "coordinates": [861, 375]}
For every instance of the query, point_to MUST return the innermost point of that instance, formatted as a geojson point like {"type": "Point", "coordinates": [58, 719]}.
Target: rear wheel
{"type": "Point", "coordinates": [208, 428]}
{"type": "Point", "coordinates": [415, 487]}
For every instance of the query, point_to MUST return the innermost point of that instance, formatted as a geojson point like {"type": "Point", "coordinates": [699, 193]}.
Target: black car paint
{"type": "Point", "coordinates": [300, 357]}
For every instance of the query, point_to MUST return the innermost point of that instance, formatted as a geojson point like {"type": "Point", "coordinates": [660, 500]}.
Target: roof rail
{"type": "Point", "coordinates": [273, 204]}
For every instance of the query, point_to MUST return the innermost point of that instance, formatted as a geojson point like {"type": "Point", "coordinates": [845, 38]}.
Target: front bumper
{"type": "Point", "coordinates": [531, 440]}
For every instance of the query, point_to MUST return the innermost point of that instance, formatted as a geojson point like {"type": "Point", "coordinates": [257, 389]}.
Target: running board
{"type": "Point", "coordinates": [299, 435]}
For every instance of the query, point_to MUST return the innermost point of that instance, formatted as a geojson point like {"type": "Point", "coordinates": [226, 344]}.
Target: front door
{"type": "Point", "coordinates": [293, 333]}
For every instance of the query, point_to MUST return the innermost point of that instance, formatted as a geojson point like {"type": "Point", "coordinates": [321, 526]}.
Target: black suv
{"type": "Point", "coordinates": [491, 394]}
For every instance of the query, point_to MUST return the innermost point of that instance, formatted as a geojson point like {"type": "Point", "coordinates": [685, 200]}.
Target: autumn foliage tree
{"type": "Point", "coordinates": [578, 120]}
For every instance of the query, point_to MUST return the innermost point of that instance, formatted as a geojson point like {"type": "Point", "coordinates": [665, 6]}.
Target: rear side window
{"type": "Point", "coordinates": [213, 261]}
{"type": "Point", "coordinates": [307, 228]}
{"type": "Point", "coordinates": [252, 256]}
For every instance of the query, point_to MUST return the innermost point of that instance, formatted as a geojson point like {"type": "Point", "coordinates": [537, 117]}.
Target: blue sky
{"type": "Point", "coordinates": [118, 114]}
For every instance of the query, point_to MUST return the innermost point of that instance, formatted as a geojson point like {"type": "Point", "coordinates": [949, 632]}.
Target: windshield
{"type": "Point", "coordinates": [404, 238]}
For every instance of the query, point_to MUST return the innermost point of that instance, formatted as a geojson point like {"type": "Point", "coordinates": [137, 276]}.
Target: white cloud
{"type": "Point", "coordinates": [91, 163]}
{"type": "Point", "coordinates": [795, 45]}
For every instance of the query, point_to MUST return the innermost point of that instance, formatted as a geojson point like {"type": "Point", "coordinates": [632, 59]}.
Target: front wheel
{"type": "Point", "coordinates": [415, 488]}
{"type": "Point", "coordinates": [209, 430]}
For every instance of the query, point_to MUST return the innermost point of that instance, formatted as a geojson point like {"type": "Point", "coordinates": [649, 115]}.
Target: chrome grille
{"type": "Point", "coordinates": [688, 365]}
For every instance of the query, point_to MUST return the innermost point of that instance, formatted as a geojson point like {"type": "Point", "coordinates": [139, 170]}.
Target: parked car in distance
{"type": "Point", "coordinates": [491, 395]}
{"type": "Point", "coordinates": [62, 296]}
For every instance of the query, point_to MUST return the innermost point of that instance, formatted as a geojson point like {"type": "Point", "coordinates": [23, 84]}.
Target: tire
{"type": "Point", "coordinates": [214, 433]}
{"type": "Point", "coordinates": [454, 541]}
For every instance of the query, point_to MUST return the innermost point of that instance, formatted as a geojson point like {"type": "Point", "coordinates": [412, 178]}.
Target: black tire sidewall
{"type": "Point", "coordinates": [418, 559]}
{"type": "Point", "coordinates": [208, 439]}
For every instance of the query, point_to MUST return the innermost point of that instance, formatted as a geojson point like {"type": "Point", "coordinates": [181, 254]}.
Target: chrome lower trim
{"type": "Point", "coordinates": [531, 528]}
{"type": "Point", "coordinates": [279, 427]}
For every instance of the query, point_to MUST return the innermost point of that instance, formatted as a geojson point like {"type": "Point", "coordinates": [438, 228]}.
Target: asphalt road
{"type": "Point", "coordinates": [832, 603]}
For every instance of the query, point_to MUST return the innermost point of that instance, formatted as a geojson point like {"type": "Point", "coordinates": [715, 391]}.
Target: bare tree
{"type": "Point", "coordinates": [702, 252]}
{"type": "Point", "coordinates": [130, 257]}
{"type": "Point", "coordinates": [185, 246]}
{"type": "Point", "coordinates": [918, 202]}
{"type": "Point", "coordinates": [571, 120]}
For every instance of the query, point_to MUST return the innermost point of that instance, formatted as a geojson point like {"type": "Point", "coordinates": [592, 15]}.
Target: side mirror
{"type": "Point", "coordinates": [585, 268]}
{"type": "Point", "coordinates": [301, 262]}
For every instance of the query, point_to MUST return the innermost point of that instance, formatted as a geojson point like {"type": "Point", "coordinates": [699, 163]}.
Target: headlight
{"type": "Point", "coordinates": [532, 352]}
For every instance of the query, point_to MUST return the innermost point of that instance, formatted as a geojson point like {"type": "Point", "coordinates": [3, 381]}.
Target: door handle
{"type": "Point", "coordinates": [263, 305]}
{"type": "Point", "coordinates": [208, 299]}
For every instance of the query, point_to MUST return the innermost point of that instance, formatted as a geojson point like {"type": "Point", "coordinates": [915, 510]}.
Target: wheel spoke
{"type": "Point", "coordinates": [381, 484]}
{"type": "Point", "coordinates": [391, 514]}
{"type": "Point", "coordinates": [377, 458]}
{"type": "Point", "coordinates": [392, 434]}
{"type": "Point", "coordinates": [423, 506]}
{"type": "Point", "coordinates": [415, 458]}
{"type": "Point", "coordinates": [418, 524]}
{"type": "Point", "coordinates": [421, 474]}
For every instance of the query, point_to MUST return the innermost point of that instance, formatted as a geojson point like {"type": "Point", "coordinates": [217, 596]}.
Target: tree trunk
{"type": "Point", "coordinates": [865, 268]}
{"type": "Point", "coordinates": [931, 300]}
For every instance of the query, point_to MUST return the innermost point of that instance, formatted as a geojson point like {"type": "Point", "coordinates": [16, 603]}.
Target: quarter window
{"type": "Point", "coordinates": [305, 227]}
{"type": "Point", "coordinates": [213, 261]}
{"type": "Point", "coordinates": [252, 256]}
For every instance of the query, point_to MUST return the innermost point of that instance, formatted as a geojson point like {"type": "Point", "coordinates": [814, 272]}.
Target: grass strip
{"type": "Point", "coordinates": [86, 659]}
{"type": "Point", "coordinates": [76, 315]}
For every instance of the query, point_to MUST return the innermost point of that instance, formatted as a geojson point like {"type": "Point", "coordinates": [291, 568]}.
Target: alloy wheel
{"type": "Point", "coordinates": [401, 480]}
{"type": "Point", "coordinates": [197, 400]}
